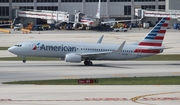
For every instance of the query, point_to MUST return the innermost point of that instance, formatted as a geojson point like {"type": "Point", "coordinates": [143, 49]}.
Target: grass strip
{"type": "Point", "coordinates": [4, 48]}
{"type": "Point", "coordinates": [173, 57]}
{"type": "Point", "coordinates": [161, 57]}
{"type": "Point", "coordinates": [165, 80]}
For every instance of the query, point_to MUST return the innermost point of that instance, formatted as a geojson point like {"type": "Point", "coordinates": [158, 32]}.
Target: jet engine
{"type": "Point", "coordinates": [73, 58]}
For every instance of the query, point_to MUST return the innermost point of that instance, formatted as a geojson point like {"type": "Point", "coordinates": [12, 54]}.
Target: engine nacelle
{"type": "Point", "coordinates": [73, 58]}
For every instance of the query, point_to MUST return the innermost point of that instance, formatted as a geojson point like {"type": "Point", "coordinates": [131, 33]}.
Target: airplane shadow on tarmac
{"type": "Point", "coordinates": [83, 66]}
{"type": "Point", "coordinates": [30, 65]}
{"type": "Point", "coordinates": [100, 65]}
{"type": "Point", "coordinates": [103, 65]}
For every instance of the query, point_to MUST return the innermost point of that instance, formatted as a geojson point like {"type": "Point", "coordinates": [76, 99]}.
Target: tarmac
{"type": "Point", "coordinates": [171, 41]}
{"type": "Point", "coordinates": [44, 70]}
{"type": "Point", "coordinates": [88, 94]}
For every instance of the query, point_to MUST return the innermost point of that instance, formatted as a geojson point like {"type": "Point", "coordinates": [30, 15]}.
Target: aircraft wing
{"type": "Point", "coordinates": [119, 21]}
{"type": "Point", "coordinates": [97, 54]}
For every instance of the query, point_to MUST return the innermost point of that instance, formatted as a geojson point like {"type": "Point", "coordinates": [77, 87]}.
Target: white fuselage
{"type": "Point", "coordinates": [60, 49]}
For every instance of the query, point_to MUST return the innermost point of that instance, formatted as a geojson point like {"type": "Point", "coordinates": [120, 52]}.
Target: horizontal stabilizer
{"type": "Point", "coordinates": [155, 48]}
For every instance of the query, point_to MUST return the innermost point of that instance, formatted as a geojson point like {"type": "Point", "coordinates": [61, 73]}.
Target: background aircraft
{"type": "Point", "coordinates": [96, 21]}
{"type": "Point", "coordinates": [77, 52]}
{"type": "Point", "coordinates": [88, 21]}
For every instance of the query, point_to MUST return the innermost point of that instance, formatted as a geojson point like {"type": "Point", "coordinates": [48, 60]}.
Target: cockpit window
{"type": "Point", "coordinates": [18, 45]}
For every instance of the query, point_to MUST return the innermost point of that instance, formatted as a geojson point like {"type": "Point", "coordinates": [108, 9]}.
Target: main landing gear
{"type": "Point", "coordinates": [88, 63]}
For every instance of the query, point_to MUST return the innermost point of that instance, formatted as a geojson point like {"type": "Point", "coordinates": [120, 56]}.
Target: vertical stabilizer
{"type": "Point", "coordinates": [98, 10]}
{"type": "Point", "coordinates": [156, 35]}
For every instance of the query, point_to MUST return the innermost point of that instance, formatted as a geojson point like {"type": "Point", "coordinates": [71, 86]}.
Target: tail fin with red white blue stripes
{"type": "Point", "coordinates": [156, 35]}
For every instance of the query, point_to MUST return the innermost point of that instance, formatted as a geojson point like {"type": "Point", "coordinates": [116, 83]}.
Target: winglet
{"type": "Point", "coordinates": [120, 47]}
{"type": "Point", "coordinates": [100, 39]}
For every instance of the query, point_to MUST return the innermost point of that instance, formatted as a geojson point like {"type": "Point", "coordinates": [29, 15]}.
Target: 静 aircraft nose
{"type": "Point", "coordinates": [10, 49]}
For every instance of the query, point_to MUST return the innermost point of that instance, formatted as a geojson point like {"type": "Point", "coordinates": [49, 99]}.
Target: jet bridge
{"type": "Point", "coordinates": [50, 16]}
{"type": "Point", "coordinates": [59, 18]}
{"type": "Point", "coordinates": [174, 14]}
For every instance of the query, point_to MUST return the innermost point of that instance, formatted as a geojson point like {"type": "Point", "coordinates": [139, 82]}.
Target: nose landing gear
{"type": "Point", "coordinates": [24, 60]}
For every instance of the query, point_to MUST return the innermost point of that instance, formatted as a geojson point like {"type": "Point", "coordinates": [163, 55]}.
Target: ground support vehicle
{"type": "Point", "coordinates": [121, 29]}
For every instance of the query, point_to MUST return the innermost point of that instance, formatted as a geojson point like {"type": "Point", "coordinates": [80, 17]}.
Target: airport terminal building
{"type": "Point", "coordinates": [116, 9]}
{"type": "Point", "coordinates": [109, 8]}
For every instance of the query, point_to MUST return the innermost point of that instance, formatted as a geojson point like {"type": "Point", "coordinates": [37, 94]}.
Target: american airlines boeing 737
{"type": "Point", "coordinates": [77, 52]}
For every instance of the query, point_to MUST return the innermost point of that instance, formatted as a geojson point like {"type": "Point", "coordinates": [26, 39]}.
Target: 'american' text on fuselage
{"type": "Point", "coordinates": [57, 48]}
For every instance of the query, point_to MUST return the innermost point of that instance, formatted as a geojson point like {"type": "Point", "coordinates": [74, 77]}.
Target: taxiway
{"type": "Point", "coordinates": [35, 70]}
{"type": "Point", "coordinates": [90, 94]}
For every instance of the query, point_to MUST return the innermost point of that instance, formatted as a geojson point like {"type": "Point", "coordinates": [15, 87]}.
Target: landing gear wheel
{"type": "Point", "coordinates": [88, 63]}
{"type": "Point", "coordinates": [24, 61]}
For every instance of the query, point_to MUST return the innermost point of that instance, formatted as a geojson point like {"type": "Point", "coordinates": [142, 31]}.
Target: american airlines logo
{"type": "Point", "coordinates": [57, 48]}
{"type": "Point", "coordinates": [35, 47]}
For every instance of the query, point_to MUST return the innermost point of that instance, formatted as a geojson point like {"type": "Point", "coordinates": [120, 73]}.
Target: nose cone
{"type": "Point", "coordinates": [16, 50]}
{"type": "Point", "coordinates": [11, 49]}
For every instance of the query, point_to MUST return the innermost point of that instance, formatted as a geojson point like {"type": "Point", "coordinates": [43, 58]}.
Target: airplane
{"type": "Point", "coordinates": [76, 52]}
{"type": "Point", "coordinates": [80, 19]}
{"type": "Point", "coordinates": [92, 22]}
{"type": "Point", "coordinates": [95, 21]}
{"type": "Point", "coordinates": [88, 21]}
